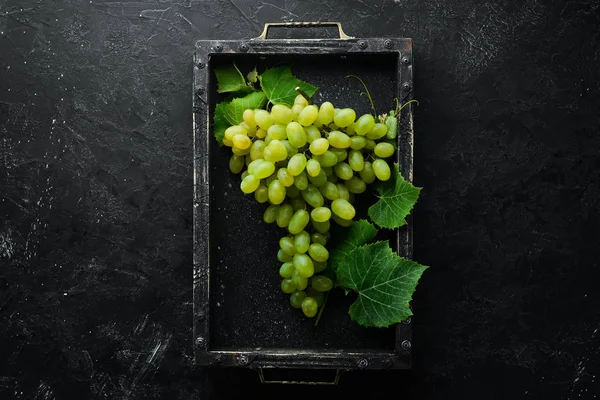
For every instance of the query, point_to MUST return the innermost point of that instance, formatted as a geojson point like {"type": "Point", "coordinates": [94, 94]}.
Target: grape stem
{"type": "Point", "coordinates": [322, 308]}
{"type": "Point", "coordinates": [367, 93]}
{"type": "Point", "coordinates": [303, 94]}
{"type": "Point", "coordinates": [403, 105]}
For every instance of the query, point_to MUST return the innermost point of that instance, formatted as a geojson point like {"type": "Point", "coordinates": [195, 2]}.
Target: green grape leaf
{"type": "Point", "coordinates": [396, 200]}
{"type": "Point", "coordinates": [280, 85]}
{"type": "Point", "coordinates": [357, 234]}
{"type": "Point", "coordinates": [235, 110]}
{"type": "Point", "coordinates": [220, 123]}
{"type": "Point", "coordinates": [230, 79]}
{"type": "Point", "coordinates": [252, 76]}
{"type": "Point", "coordinates": [384, 281]}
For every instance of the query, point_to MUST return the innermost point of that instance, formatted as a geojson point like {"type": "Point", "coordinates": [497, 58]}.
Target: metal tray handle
{"type": "Point", "coordinates": [335, 381]}
{"type": "Point", "coordinates": [263, 36]}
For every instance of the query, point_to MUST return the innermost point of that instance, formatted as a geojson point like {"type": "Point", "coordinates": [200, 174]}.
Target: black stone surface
{"type": "Point", "coordinates": [96, 197]}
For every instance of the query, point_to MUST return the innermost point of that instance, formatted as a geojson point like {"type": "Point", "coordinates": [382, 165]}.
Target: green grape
{"type": "Point", "coordinates": [313, 196]}
{"type": "Point", "coordinates": [333, 178]}
{"type": "Point", "coordinates": [320, 214]}
{"type": "Point", "coordinates": [339, 140]}
{"type": "Point", "coordinates": [245, 174]}
{"type": "Point", "coordinates": [236, 164]}
{"type": "Point", "coordinates": [318, 238]}
{"type": "Point", "coordinates": [318, 252]}
{"type": "Point", "coordinates": [276, 131]}
{"type": "Point", "coordinates": [313, 167]}
{"type": "Point", "coordinates": [282, 114]}
{"type": "Point", "coordinates": [341, 222]}
{"type": "Point", "coordinates": [249, 129]}
{"type": "Point", "coordinates": [268, 140]}
{"type": "Point", "coordinates": [282, 257]}
{"type": "Point", "coordinates": [343, 209]}
{"type": "Point", "coordinates": [301, 181]}
{"type": "Point", "coordinates": [326, 112]}
{"type": "Point", "coordinates": [299, 281]}
{"type": "Point", "coordinates": [270, 179]}
{"type": "Point", "coordinates": [330, 191]}
{"type": "Point", "coordinates": [261, 169]}
{"type": "Point", "coordinates": [315, 294]}
{"type": "Point", "coordinates": [320, 180]}
{"type": "Point", "coordinates": [284, 215]}
{"type": "Point", "coordinates": [327, 159]}
{"type": "Point", "coordinates": [328, 171]}
{"type": "Point", "coordinates": [300, 100]}
{"type": "Point", "coordinates": [248, 118]}
{"type": "Point", "coordinates": [296, 164]}
{"type": "Point", "coordinates": [319, 146]}
{"type": "Point", "coordinates": [249, 184]}
{"type": "Point", "coordinates": [261, 194]}
{"type": "Point", "coordinates": [227, 142]}
{"type": "Point", "coordinates": [356, 160]}
{"type": "Point", "coordinates": [298, 222]}
{"type": "Point", "coordinates": [312, 133]}
{"type": "Point", "coordinates": [343, 192]}
{"type": "Point", "coordinates": [317, 124]}
{"type": "Point", "coordinates": [297, 298]}
{"type": "Point", "coordinates": [232, 131]}
{"type": "Point", "coordinates": [261, 133]}
{"type": "Point", "coordinates": [379, 130]}
{"type": "Point", "coordinates": [291, 150]}
{"type": "Point", "coordinates": [276, 192]}
{"type": "Point", "coordinates": [271, 213]}
{"type": "Point", "coordinates": [369, 144]}
{"type": "Point", "coordinates": [319, 266]}
{"type": "Point", "coordinates": [384, 150]}
{"type": "Point", "coordinates": [296, 134]}
{"type": "Point", "coordinates": [351, 129]}
{"type": "Point", "coordinates": [364, 124]}
{"type": "Point", "coordinates": [333, 127]}
{"type": "Point", "coordinates": [343, 171]}
{"type": "Point", "coordinates": [382, 170]}
{"type": "Point", "coordinates": [257, 149]}
{"type": "Point", "coordinates": [321, 227]}
{"type": "Point", "coordinates": [301, 242]}
{"type": "Point", "coordinates": [240, 152]}
{"type": "Point", "coordinates": [287, 270]}
{"type": "Point", "coordinates": [292, 191]}
{"type": "Point", "coordinates": [340, 154]}
{"type": "Point", "coordinates": [285, 177]}
{"type": "Point", "coordinates": [288, 286]}
{"type": "Point", "coordinates": [357, 142]}
{"type": "Point", "coordinates": [356, 185]}
{"type": "Point", "coordinates": [286, 243]}
{"type": "Point", "coordinates": [277, 151]}
{"type": "Point", "coordinates": [309, 307]}
{"type": "Point", "coordinates": [321, 283]}
{"type": "Point", "coordinates": [344, 117]}
{"type": "Point", "coordinates": [247, 160]}
{"type": "Point", "coordinates": [297, 202]}
{"type": "Point", "coordinates": [367, 174]}
{"type": "Point", "coordinates": [308, 115]}
{"type": "Point", "coordinates": [296, 110]}
{"type": "Point", "coordinates": [263, 119]}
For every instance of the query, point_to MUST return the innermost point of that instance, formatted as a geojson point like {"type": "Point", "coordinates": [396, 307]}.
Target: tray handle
{"type": "Point", "coordinates": [334, 382]}
{"type": "Point", "coordinates": [268, 25]}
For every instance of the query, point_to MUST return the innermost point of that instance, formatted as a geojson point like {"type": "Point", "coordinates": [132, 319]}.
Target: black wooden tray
{"type": "Point", "coordinates": [241, 318]}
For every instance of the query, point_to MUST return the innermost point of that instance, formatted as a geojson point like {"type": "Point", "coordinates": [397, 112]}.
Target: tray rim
{"type": "Point", "coordinates": [256, 358]}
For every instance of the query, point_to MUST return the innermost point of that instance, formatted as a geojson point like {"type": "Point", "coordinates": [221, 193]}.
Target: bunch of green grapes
{"type": "Point", "coordinates": [307, 163]}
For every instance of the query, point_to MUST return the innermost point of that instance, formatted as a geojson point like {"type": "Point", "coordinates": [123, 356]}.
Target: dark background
{"type": "Point", "coordinates": [96, 196]}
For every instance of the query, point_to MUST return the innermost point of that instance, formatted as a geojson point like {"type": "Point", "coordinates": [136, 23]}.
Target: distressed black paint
{"type": "Point", "coordinates": [96, 195]}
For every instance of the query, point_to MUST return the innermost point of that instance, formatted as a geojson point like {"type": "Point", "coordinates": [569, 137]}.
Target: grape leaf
{"type": "Point", "coordinates": [220, 123]}
{"type": "Point", "coordinates": [235, 110]}
{"type": "Point", "coordinates": [397, 198]}
{"type": "Point", "coordinates": [230, 79]}
{"type": "Point", "coordinates": [357, 234]}
{"type": "Point", "coordinates": [384, 281]}
{"type": "Point", "coordinates": [280, 85]}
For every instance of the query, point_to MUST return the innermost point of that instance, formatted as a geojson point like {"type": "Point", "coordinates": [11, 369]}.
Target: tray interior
{"type": "Point", "coordinates": [247, 307]}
